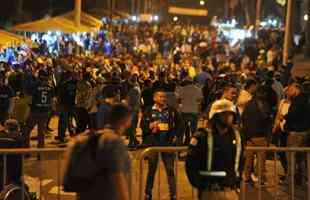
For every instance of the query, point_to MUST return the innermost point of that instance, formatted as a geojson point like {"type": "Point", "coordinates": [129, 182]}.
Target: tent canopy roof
{"type": "Point", "coordinates": [86, 19]}
{"type": "Point", "coordinates": [64, 23]}
{"type": "Point", "coordinates": [9, 39]}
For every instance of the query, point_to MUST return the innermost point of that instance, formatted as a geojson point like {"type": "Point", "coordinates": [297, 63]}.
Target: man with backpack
{"type": "Point", "coordinates": [213, 160]}
{"type": "Point", "coordinates": [99, 163]}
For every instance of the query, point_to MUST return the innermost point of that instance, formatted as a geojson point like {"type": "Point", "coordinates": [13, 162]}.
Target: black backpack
{"type": "Point", "coordinates": [82, 169]}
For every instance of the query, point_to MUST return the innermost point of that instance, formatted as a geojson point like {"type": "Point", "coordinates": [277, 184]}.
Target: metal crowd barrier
{"type": "Point", "coordinates": [159, 150]}
{"type": "Point", "coordinates": [137, 181]}
{"type": "Point", "coordinates": [291, 161]}
{"type": "Point", "coordinates": [39, 153]}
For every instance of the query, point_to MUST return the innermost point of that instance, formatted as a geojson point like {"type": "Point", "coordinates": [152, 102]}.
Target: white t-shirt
{"type": "Point", "coordinates": [190, 96]}
{"type": "Point", "coordinates": [243, 99]}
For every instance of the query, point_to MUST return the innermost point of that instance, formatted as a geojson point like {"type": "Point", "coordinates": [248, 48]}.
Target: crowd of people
{"type": "Point", "coordinates": [179, 82]}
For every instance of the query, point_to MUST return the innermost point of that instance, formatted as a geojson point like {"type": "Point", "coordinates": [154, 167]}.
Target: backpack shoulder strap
{"type": "Point", "coordinates": [238, 144]}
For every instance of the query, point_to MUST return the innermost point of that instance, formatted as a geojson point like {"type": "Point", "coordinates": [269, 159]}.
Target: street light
{"type": "Point", "coordinates": [202, 2]}
{"type": "Point", "coordinates": [175, 18]}
{"type": "Point", "coordinates": [134, 18]}
{"type": "Point", "coordinates": [155, 18]}
{"type": "Point", "coordinates": [306, 17]}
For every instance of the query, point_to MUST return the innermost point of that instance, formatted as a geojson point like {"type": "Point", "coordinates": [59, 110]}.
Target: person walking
{"type": "Point", "coordinates": [107, 175]}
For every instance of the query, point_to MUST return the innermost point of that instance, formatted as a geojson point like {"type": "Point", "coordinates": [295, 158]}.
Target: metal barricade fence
{"type": "Point", "coordinates": [178, 165]}
{"type": "Point", "coordinates": [291, 152]}
{"type": "Point", "coordinates": [39, 154]}
{"type": "Point", "coordinates": [137, 174]}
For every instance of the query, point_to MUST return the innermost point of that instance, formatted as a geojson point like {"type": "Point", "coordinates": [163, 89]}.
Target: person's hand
{"type": "Point", "coordinates": [154, 126]}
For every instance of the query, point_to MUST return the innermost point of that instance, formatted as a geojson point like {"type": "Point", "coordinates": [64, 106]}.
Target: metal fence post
{"type": "Point", "coordinates": [260, 175]}
{"type": "Point", "coordinates": [292, 175]}
{"type": "Point", "coordinates": [276, 176]}
{"type": "Point", "coordinates": [308, 173]}
{"type": "Point", "coordinates": [4, 170]}
{"type": "Point", "coordinates": [176, 175]}
{"type": "Point", "coordinates": [158, 165]}
{"type": "Point", "coordinates": [58, 175]}
{"type": "Point", "coordinates": [23, 180]}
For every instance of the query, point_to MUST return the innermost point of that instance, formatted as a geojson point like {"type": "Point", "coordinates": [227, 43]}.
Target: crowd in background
{"type": "Point", "coordinates": [193, 65]}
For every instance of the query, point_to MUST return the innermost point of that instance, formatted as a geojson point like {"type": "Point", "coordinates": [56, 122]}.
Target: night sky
{"type": "Point", "coordinates": [33, 9]}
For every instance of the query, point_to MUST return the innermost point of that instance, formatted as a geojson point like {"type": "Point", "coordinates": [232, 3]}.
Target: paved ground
{"type": "Point", "coordinates": [48, 168]}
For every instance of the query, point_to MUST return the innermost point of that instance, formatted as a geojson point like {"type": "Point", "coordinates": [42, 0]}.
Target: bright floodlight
{"type": "Point", "coordinates": [202, 3]}
{"type": "Point", "coordinates": [306, 17]}
{"type": "Point", "coordinates": [175, 18]}
{"type": "Point", "coordinates": [134, 18]}
{"type": "Point", "coordinates": [156, 18]}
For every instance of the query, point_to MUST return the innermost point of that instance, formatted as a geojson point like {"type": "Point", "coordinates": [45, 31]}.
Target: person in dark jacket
{"type": "Point", "coordinates": [66, 96]}
{"type": "Point", "coordinates": [297, 124]}
{"type": "Point", "coordinates": [162, 125]}
{"type": "Point", "coordinates": [213, 160]}
{"type": "Point", "coordinates": [10, 137]}
{"type": "Point", "coordinates": [256, 126]}
{"type": "Point", "coordinates": [42, 100]}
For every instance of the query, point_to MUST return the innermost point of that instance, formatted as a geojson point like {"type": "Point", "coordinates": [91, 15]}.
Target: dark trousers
{"type": "Point", "coordinates": [282, 142]}
{"type": "Point", "coordinates": [168, 160]}
{"type": "Point", "coordinates": [4, 115]}
{"type": "Point", "coordinates": [190, 120]}
{"type": "Point", "coordinates": [63, 123]}
{"type": "Point", "coordinates": [132, 130]}
{"type": "Point", "coordinates": [82, 120]}
{"type": "Point", "coordinates": [35, 118]}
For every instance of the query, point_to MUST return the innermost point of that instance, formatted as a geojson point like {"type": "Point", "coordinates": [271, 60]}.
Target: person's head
{"type": "Point", "coordinates": [222, 113]}
{"type": "Point", "coordinates": [230, 93]}
{"type": "Point", "coordinates": [261, 93]}
{"type": "Point", "coordinates": [43, 75]}
{"type": "Point", "coordinates": [111, 93]}
{"type": "Point", "coordinates": [293, 90]}
{"type": "Point", "coordinates": [2, 78]}
{"type": "Point", "coordinates": [11, 126]}
{"type": "Point", "coordinates": [250, 86]}
{"type": "Point", "coordinates": [160, 98]}
{"type": "Point", "coordinates": [120, 118]}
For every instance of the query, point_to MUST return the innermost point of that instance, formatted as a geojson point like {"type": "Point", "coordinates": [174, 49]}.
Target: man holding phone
{"type": "Point", "coordinates": [162, 125]}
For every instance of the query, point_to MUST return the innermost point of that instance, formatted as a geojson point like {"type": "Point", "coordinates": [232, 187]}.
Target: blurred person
{"type": "Point", "coordinates": [256, 126]}
{"type": "Point", "coordinates": [134, 103]}
{"type": "Point", "coordinates": [190, 96]}
{"type": "Point", "coordinates": [110, 97]}
{"type": "Point", "coordinates": [279, 130]}
{"type": "Point", "coordinates": [66, 97]}
{"type": "Point", "coordinates": [297, 125]}
{"type": "Point", "coordinates": [110, 166]}
{"type": "Point", "coordinates": [6, 99]}
{"type": "Point", "coordinates": [246, 94]}
{"type": "Point", "coordinates": [11, 137]}
{"type": "Point", "coordinates": [147, 94]}
{"type": "Point", "coordinates": [214, 167]}
{"type": "Point", "coordinates": [162, 125]}
{"type": "Point", "coordinates": [83, 103]}
{"type": "Point", "coordinates": [42, 100]}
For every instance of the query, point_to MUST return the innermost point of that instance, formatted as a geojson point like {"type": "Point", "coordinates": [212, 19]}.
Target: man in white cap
{"type": "Point", "coordinates": [213, 160]}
